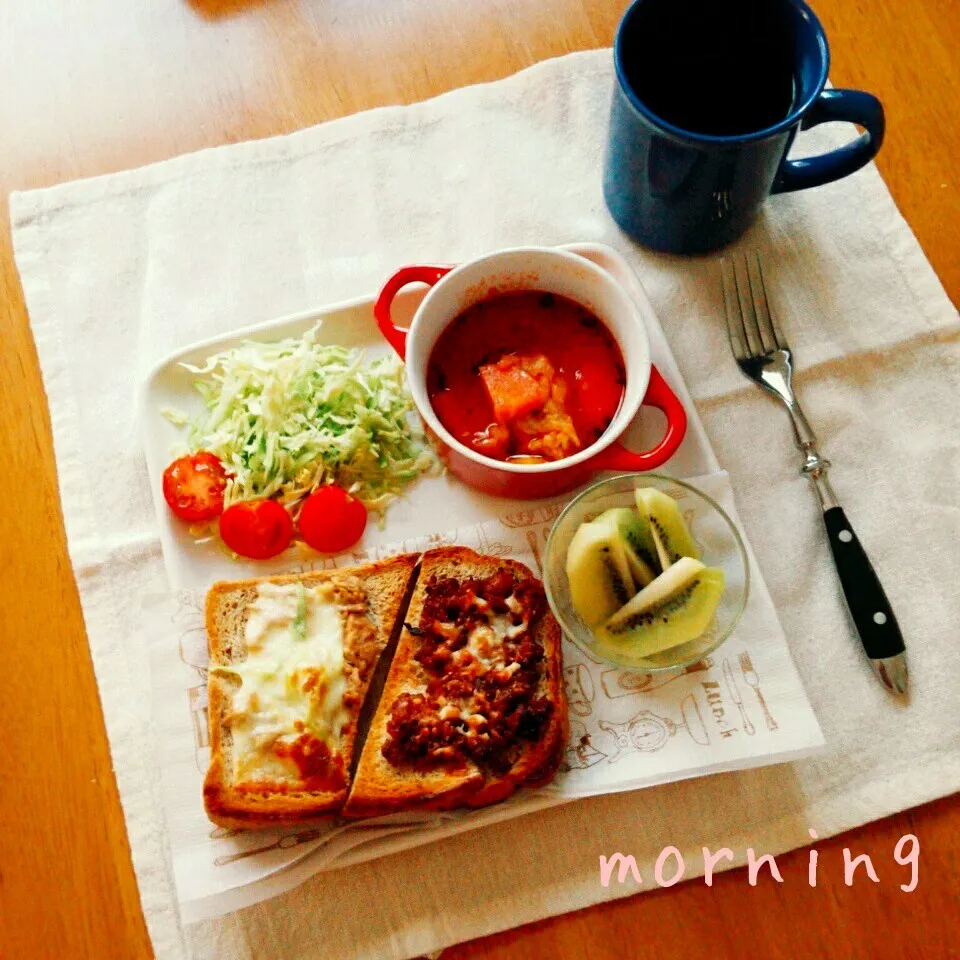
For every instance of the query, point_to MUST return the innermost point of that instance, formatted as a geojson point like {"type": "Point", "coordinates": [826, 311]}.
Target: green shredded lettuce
{"type": "Point", "coordinates": [287, 417]}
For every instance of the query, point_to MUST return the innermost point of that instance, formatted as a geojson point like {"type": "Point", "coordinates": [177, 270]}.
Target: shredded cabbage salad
{"type": "Point", "coordinates": [290, 416]}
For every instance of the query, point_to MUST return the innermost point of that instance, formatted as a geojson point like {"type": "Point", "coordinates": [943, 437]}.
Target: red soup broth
{"type": "Point", "coordinates": [555, 340]}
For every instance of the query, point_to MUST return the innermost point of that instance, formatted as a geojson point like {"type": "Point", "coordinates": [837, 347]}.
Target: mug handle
{"type": "Point", "coordinates": [618, 457]}
{"type": "Point", "coordinates": [853, 106]}
{"type": "Point", "coordinates": [417, 273]}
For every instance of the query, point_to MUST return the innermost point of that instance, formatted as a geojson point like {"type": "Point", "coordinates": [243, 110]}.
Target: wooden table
{"type": "Point", "coordinates": [93, 86]}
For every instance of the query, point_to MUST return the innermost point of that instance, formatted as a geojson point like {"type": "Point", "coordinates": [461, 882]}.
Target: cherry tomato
{"type": "Point", "coordinates": [193, 486]}
{"type": "Point", "coordinates": [256, 528]}
{"type": "Point", "coordinates": [331, 520]}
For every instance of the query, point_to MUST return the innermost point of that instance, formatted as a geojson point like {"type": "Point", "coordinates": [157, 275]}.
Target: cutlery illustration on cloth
{"type": "Point", "coordinates": [283, 843]}
{"type": "Point", "coordinates": [734, 690]}
{"type": "Point", "coordinates": [375, 828]}
{"type": "Point", "coordinates": [622, 683]}
{"type": "Point", "coordinates": [752, 680]}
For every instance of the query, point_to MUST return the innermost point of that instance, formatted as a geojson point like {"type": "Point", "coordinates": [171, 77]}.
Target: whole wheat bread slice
{"type": "Point", "coordinates": [381, 787]}
{"type": "Point", "coordinates": [382, 589]}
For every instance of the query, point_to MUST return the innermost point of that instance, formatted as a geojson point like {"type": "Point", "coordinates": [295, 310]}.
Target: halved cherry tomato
{"type": "Point", "coordinates": [256, 528]}
{"type": "Point", "coordinates": [193, 487]}
{"type": "Point", "coordinates": [331, 520]}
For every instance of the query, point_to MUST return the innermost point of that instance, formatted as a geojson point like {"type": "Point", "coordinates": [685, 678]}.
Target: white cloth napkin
{"type": "Point", "coordinates": [118, 271]}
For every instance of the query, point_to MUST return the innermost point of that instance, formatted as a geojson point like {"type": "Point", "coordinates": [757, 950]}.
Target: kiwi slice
{"type": "Point", "coordinates": [638, 543]}
{"type": "Point", "coordinates": [675, 609]}
{"type": "Point", "coordinates": [598, 570]}
{"type": "Point", "coordinates": [668, 531]}
{"type": "Point", "coordinates": [640, 571]}
{"type": "Point", "coordinates": [671, 581]}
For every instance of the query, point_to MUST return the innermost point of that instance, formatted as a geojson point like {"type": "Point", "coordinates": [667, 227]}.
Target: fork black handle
{"type": "Point", "coordinates": [869, 607]}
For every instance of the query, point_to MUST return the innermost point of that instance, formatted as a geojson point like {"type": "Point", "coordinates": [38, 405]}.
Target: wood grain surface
{"type": "Point", "coordinates": [94, 86]}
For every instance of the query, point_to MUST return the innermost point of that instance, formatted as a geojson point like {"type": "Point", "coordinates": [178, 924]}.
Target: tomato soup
{"type": "Point", "coordinates": [528, 377]}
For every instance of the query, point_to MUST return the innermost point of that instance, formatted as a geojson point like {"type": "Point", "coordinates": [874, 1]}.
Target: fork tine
{"type": "Point", "coordinates": [758, 296]}
{"type": "Point", "coordinates": [748, 312]}
{"type": "Point", "coordinates": [733, 326]}
{"type": "Point", "coordinates": [731, 309]}
{"type": "Point", "coordinates": [779, 340]}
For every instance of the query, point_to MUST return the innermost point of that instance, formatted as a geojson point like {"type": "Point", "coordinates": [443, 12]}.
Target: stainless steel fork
{"type": "Point", "coordinates": [762, 353]}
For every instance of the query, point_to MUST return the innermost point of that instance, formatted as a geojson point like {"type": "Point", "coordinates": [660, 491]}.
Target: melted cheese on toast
{"type": "Point", "coordinates": [292, 681]}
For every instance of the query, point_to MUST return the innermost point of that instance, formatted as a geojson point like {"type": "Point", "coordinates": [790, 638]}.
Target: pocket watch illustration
{"type": "Point", "coordinates": [647, 732]}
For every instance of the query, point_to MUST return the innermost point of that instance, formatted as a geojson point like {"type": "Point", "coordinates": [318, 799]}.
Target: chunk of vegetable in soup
{"type": "Point", "coordinates": [526, 376]}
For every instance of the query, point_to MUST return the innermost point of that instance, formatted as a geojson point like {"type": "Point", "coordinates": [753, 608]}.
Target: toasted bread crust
{"type": "Point", "coordinates": [383, 585]}
{"type": "Point", "coordinates": [379, 787]}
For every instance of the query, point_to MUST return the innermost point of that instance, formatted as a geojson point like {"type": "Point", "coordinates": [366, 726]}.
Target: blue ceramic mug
{"type": "Point", "coordinates": [708, 99]}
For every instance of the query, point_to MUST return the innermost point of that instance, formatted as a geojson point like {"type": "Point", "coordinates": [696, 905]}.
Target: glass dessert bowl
{"type": "Point", "coordinates": [716, 539]}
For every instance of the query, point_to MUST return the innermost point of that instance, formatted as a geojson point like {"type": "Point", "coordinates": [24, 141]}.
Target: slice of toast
{"type": "Point", "coordinates": [296, 783]}
{"type": "Point", "coordinates": [385, 781]}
